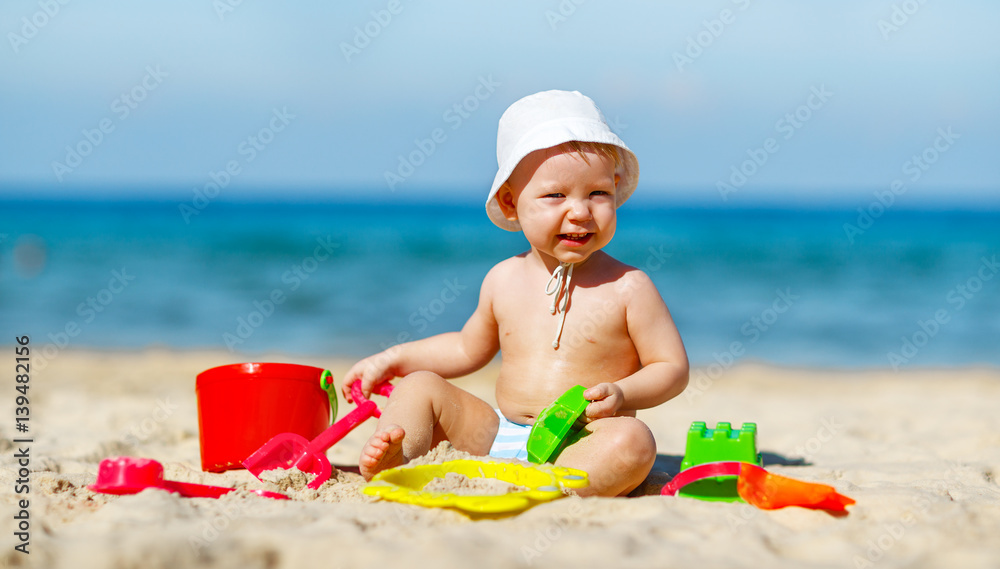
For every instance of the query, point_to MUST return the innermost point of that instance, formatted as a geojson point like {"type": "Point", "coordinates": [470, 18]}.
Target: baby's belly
{"type": "Point", "coordinates": [523, 390]}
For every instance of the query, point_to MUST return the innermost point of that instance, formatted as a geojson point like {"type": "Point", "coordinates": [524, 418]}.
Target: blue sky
{"type": "Point", "coordinates": [696, 89]}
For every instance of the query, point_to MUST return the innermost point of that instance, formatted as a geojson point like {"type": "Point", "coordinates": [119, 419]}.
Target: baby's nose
{"type": "Point", "coordinates": [579, 210]}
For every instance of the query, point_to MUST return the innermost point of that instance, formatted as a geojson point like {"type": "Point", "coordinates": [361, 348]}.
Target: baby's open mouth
{"type": "Point", "coordinates": [575, 238]}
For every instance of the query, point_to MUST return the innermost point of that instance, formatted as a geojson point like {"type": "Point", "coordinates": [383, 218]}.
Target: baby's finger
{"type": "Point", "coordinates": [345, 386]}
{"type": "Point", "coordinates": [598, 410]}
{"type": "Point", "coordinates": [598, 392]}
{"type": "Point", "coordinates": [369, 381]}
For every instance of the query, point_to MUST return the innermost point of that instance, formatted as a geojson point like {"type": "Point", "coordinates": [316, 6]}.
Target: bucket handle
{"type": "Point", "coordinates": [326, 383]}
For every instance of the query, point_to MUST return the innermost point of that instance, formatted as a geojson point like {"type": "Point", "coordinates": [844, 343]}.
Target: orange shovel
{"type": "Point", "coordinates": [762, 489]}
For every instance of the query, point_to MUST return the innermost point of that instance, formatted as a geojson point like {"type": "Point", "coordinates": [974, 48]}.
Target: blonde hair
{"type": "Point", "coordinates": [602, 149]}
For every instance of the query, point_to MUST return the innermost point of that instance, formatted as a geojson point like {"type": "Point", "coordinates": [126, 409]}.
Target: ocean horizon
{"type": "Point", "coordinates": [822, 288]}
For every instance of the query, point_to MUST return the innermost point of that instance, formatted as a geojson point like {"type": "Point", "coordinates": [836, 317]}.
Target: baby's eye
{"type": "Point", "coordinates": [600, 193]}
{"type": "Point", "coordinates": [553, 195]}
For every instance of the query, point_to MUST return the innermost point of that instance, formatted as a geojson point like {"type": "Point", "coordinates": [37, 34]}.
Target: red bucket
{"type": "Point", "coordinates": [241, 406]}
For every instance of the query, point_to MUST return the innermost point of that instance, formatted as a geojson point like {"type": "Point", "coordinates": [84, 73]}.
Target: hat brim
{"type": "Point", "coordinates": [553, 133]}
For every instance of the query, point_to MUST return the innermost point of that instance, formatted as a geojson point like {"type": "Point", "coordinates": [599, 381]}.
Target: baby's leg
{"type": "Point", "coordinates": [617, 455]}
{"type": "Point", "coordinates": [423, 410]}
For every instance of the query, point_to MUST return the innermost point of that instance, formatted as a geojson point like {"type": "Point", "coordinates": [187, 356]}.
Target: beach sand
{"type": "Point", "coordinates": [918, 450]}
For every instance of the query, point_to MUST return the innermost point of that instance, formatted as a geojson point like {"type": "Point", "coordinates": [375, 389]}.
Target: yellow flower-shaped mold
{"type": "Point", "coordinates": [544, 483]}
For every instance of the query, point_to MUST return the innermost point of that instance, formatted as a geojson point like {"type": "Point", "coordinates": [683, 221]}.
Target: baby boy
{"type": "Point", "coordinates": [561, 314]}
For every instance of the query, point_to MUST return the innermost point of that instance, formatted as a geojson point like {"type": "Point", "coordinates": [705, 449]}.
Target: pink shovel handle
{"type": "Point", "coordinates": [359, 397]}
{"type": "Point", "coordinates": [339, 430]}
{"type": "Point", "coordinates": [190, 490]}
{"type": "Point", "coordinates": [360, 414]}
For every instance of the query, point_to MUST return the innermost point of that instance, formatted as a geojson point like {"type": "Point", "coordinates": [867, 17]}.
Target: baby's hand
{"type": "Point", "coordinates": [607, 400]}
{"type": "Point", "coordinates": [371, 372]}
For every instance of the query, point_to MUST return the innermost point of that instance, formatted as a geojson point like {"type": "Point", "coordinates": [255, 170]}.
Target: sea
{"type": "Point", "coordinates": [816, 288]}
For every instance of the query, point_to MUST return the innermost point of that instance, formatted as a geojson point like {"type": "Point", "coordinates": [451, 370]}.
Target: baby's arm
{"type": "Point", "coordinates": [664, 373]}
{"type": "Point", "coordinates": [452, 354]}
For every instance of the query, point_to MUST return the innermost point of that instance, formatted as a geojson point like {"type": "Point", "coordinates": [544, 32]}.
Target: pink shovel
{"type": "Point", "coordinates": [131, 475]}
{"type": "Point", "coordinates": [289, 450]}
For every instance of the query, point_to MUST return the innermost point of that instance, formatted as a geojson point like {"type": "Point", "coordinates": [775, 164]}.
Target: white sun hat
{"type": "Point", "coordinates": [548, 119]}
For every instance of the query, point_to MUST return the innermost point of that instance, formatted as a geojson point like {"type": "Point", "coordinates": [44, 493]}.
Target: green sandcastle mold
{"type": "Point", "coordinates": [715, 445]}
{"type": "Point", "coordinates": [554, 424]}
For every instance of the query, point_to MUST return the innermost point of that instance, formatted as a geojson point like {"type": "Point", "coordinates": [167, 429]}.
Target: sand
{"type": "Point", "coordinates": [918, 450]}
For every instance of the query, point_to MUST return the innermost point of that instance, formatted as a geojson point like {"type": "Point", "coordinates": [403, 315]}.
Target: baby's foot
{"type": "Point", "coordinates": [383, 451]}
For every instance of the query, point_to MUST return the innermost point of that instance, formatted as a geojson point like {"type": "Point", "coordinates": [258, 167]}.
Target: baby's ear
{"type": "Point", "coordinates": [505, 197]}
{"type": "Point", "coordinates": [617, 179]}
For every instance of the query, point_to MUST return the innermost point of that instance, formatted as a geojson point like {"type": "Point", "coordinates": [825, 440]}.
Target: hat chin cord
{"type": "Point", "coordinates": [558, 288]}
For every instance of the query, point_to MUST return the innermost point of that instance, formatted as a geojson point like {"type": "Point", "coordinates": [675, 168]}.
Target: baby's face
{"type": "Point", "coordinates": [566, 207]}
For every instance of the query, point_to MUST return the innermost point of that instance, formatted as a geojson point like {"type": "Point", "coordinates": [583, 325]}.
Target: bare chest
{"type": "Point", "coordinates": [595, 325]}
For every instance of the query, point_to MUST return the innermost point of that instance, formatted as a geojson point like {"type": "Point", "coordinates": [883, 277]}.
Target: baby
{"type": "Point", "coordinates": [561, 314]}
